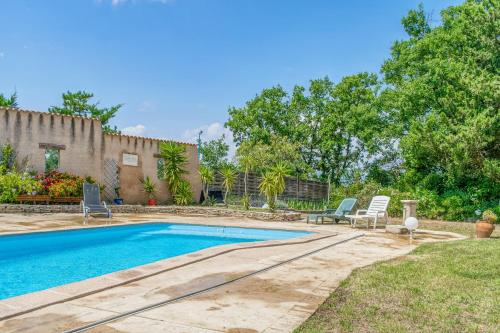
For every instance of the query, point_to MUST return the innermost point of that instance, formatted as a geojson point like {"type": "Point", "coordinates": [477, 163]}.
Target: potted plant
{"type": "Point", "coordinates": [485, 227]}
{"type": "Point", "coordinates": [150, 188]}
{"type": "Point", "coordinates": [118, 200]}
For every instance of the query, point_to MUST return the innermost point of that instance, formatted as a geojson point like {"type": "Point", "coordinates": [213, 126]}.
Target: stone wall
{"type": "Point", "coordinates": [84, 150]}
{"type": "Point", "coordinates": [147, 150]}
{"type": "Point", "coordinates": [138, 209]}
{"type": "Point", "coordinates": [80, 140]}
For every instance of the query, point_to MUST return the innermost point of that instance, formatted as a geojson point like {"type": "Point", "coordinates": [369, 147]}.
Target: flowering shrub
{"type": "Point", "coordinates": [62, 184]}
{"type": "Point", "coordinates": [66, 188]}
{"type": "Point", "coordinates": [12, 184]}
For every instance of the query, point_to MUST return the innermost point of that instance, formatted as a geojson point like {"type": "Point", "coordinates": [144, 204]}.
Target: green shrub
{"type": "Point", "coordinates": [12, 184]}
{"type": "Point", "coordinates": [428, 204]}
{"type": "Point", "coordinates": [395, 208]}
{"type": "Point", "coordinates": [361, 191]}
{"type": "Point", "coordinates": [7, 159]}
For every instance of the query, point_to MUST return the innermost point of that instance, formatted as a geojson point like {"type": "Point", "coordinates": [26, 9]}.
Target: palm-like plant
{"type": "Point", "coordinates": [149, 187]}
{"type": "Point", "coordinates": [268, 188]}
{"type": "Point", "coordinates": [229, 175]}
{"type": "Point", "coordinates": [273, 183]}
{"type": "Point", "coordinates": [207, 177]}
{"type": "Point", "coordinates": [174, 163]}
{"type": "Point", "coordinates": [280, 171]}
{"type": "Point", "coordinates": [183, 194]}
{"type": "Point", "coordinates": [9, 101]}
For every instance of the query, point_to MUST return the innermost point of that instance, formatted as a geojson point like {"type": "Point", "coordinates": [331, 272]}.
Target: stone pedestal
{"type": "Point", "coordinates": [409, 209]}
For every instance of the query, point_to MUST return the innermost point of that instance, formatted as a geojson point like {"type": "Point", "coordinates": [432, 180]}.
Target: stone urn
{"type": "Point", "coordinates": [485, 228]}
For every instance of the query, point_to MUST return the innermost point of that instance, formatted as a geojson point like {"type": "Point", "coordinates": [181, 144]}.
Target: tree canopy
{"type": "Point", "coordinates": [335, 128]}
{"type": "Point", "coordinates": [444, 95]}
{"type": "Point", "coordinates": [78, 104]}
{"type": "Point", "coordinates": [430, 122]}
{"type": "Point", "coordinates": [214, 153]}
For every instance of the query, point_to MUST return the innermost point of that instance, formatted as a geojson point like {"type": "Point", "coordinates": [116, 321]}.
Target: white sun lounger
{"type": "Point", "coordinates": [377, 210]}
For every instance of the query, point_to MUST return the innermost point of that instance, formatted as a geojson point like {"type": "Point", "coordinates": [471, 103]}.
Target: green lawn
{"type": "Point", "coordinates": [439, 287]}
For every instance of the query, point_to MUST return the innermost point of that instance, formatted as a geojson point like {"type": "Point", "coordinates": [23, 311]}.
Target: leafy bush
{"type": "Point", "coordinates": [7, 159]}
{"type": "Point", "coordinates": [428, 204]}
{"type": "Point", "coordinates": [395, 205]}
{"type": "Point", "coordinates": [12, 184]}
{"type": "Point", "coordinates": [361, 191]}
{"type": "Point", "coordinates": [453, 204]}
{"type": "Point", "coordinates": [456, 205]}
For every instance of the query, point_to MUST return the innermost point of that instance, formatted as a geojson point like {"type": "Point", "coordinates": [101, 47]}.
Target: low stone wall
{"type": "Point", "coordinates": [138, 209]}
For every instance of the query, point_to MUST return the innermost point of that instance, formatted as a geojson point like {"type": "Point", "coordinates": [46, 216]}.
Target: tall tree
{"type": "Point", "coordinates": [444, 92]}
{"type": "Point", "coordinates": [78, 104]}
{"type": "Point", "coordinates": [265, 115]}
{"type": "Point", "coordinates": [350, 130]}
{"type": "Point", "coordinates": [263, 156]}
{"type": "Point", "coordinates": [334, 127]}
{"type": "Point", "coordinates": [214, 153]}
{"type": "Point", "coordinates": [311, 108]}
{"type": "Point", "coordinates": [10, 102]}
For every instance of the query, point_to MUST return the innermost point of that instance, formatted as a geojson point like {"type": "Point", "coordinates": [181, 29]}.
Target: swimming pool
{"type": "Point", "coordinates": [37, 261]}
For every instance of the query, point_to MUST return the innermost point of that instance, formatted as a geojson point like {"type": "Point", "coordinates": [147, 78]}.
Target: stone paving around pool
{"type": "Point", "coordinates": [277, 300]}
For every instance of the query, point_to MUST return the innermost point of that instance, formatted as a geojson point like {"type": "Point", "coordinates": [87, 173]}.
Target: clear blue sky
{"type": "Point", "coordinates": [177, 65]}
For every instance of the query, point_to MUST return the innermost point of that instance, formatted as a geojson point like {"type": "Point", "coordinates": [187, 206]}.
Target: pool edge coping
{"type": "Point", "coordinates": [22, 304]}
{"type": "Point", "coordinates": [87, 226]}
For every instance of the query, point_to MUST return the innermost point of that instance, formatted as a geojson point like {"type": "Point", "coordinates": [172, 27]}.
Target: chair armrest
{"type": "Point", "coordinates": [361, 212]}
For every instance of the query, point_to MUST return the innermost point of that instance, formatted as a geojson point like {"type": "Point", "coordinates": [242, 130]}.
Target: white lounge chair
{"type": "Point", "coordinates": [376, 210]}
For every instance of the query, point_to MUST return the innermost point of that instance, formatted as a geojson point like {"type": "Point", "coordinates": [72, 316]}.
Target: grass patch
{"type": "Point", "coordinates": [439, 287]}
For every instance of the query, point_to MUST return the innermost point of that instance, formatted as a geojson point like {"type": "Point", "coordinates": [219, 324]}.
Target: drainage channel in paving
{"type": "Point", "coordinates": [116, 317]}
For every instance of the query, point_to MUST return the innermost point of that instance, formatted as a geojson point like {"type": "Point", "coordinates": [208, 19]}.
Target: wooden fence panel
{"type": "Point", "coordinates": [294, 188]}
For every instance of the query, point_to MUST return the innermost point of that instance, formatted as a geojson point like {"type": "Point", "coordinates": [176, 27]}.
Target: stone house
{"type": "Point", "coordinates": [78, 145]}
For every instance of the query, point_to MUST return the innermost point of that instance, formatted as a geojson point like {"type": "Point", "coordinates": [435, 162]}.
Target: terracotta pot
{"type": "Point", "coordinates": [152, 202]}
{"type": "Point", "coordinates": [484, 229]}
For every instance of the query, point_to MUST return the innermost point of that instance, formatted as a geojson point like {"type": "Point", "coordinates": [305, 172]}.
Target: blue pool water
{"type": "Point", "coordinates": [37, 261]}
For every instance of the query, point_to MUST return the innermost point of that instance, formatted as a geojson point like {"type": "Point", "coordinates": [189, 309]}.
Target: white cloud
{"type": "Point", "coordinates": [211, 132]}
{"type": "Point", "coordinates": [137, 130]}
{"type": "Point", "coordinates": [146, 106]}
